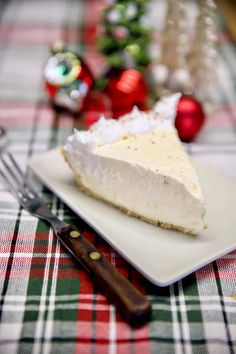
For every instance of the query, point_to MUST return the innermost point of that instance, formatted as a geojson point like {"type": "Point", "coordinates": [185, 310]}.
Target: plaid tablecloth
{"type": "Point", "coordinates": [48, 304]}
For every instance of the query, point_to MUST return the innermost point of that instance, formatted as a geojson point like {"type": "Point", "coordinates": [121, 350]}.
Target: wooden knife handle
{"type": "Point", "coordinates": [130, 303]}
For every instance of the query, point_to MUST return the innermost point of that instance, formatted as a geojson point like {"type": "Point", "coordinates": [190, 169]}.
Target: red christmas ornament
{"type": "Point", "coordinates": [96, 103]}
{"type": "Point", "coordinates": [189, 119]}
{"type": "Point", "coordinates": [126, 88]}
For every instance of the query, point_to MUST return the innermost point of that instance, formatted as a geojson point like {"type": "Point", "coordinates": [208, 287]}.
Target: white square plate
{"type": "Point", "coordinates": [162, 256]}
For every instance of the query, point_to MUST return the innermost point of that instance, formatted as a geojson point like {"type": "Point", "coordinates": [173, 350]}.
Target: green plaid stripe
{"type": "Point", "coordinates": [48, 304]}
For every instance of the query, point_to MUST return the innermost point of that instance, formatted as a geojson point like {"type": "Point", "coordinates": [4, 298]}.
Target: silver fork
{"type": "Point", "coordinates": [131, 304]}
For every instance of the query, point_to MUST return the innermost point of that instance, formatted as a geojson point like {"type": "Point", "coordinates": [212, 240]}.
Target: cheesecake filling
{"type": "Point", "coordinates": [138, 164]}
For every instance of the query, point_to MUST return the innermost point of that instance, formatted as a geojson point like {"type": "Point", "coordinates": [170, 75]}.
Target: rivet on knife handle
{"type": "Point", "coordinates": [130, 303]}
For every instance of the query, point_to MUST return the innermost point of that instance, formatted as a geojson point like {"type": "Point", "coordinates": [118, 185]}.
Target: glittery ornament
{"type": "Point", "coordinates": [175, 37]}
{"type": "Point", "coordinates": [189, 119]}
{"type": "Point", "coordinates": [203, 54]}
{"type": "Point", "coordinates": [174, 50]}
{"type": "Point", "coordinates": [67, 79]}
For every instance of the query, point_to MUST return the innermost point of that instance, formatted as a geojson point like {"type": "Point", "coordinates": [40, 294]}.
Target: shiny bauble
{"type": "Point", "coordinates": [96, 104]}
{"type": "Point", "coordinates": [68, 79]}
{"type": "Point", "coordinates": [126, 88]}
{"type": "Point", "coordinates": [189, 119]}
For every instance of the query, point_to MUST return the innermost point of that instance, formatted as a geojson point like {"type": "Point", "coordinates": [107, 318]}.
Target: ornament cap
{"type": "Point", "coordinates": [58, 47]}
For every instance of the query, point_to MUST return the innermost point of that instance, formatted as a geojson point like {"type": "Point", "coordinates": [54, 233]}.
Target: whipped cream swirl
{"type": "Point", "coordinates": [106, 131]}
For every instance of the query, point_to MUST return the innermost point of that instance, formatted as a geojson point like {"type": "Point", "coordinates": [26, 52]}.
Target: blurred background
{"type": "Point", "coordinates": [64, 63]}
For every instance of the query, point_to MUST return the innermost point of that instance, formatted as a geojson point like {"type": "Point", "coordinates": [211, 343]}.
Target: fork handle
{"type": "Point", "coordinates": [130, 303]}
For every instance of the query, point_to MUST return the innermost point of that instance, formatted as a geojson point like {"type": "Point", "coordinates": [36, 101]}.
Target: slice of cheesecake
{"type": "Point", "coordinates": [137, 163]}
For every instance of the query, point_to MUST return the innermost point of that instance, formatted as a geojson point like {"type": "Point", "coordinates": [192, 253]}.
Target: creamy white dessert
{"type": "Point", "coordinates": [137, 163]}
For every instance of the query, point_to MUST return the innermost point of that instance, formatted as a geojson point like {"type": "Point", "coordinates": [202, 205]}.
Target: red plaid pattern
{"type": "Point", "coordinates": [48, 304]}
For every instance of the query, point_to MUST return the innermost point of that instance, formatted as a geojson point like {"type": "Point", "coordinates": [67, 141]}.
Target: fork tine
{"type": "Point", "coordinates": [16, 173]}
{"type": "Point", "coordinates": [16, 165]}
{"type": "Point", "coordinates": [10, 170]}
{"type": "Point", "coordinates": [8, 182]}
{"type": "Point", "coordinates": [29, 186]}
